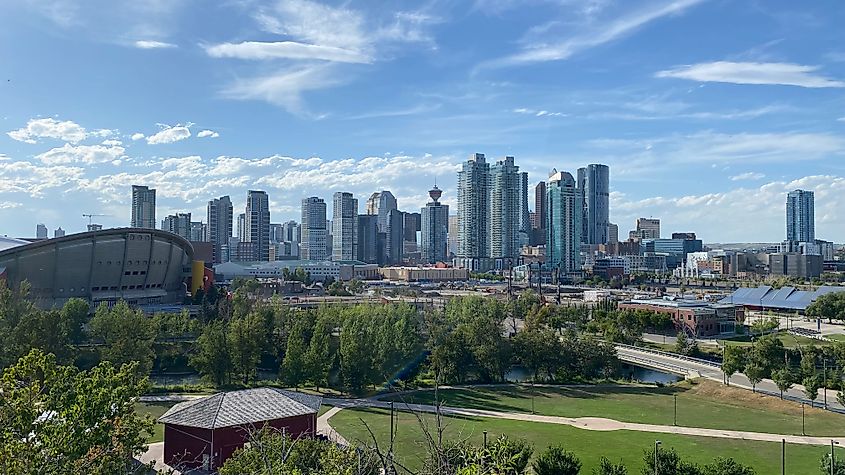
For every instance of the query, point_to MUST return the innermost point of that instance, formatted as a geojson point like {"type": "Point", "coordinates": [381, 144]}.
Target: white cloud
{"type": "Point", "coordinates": [112, 142]}
{"type": "Point", "coordinates": [724, 216]}
{"type": "Point", "coordinates": [33, 179]}
{"type": "Point", "coordinates": [787, 74]}
{"type": "Point", "coordinates": [151, 44]}
{"type": "Point", "coordinates": [841, 119]}
{"type": "Point", "coordinates": [748, 176]}
{"type": "Point", "coordinates": [538, 113]}
{"type": "Point", "coordinates": [137, 136]}
{"type": "Point", "coordinates": [208, 133]}
{"type": "Point", "coordinates": [285, 88]}
{"type": "Point", "coordinates": [551, 49]}
{"type": "Point", "coordinates": [285, 49]}
{"type": "Point", "coordinates": [49, 128]}
{"type": "Point", "coordinates": [88, 154]}
{"type": "Point", "coordinates": [9, 205]}
{"type": "Point", "coordinates": [170, 134]}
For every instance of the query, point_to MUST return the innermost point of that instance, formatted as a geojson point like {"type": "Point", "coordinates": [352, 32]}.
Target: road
{"type": "Point", "coordinates": [691, 368]}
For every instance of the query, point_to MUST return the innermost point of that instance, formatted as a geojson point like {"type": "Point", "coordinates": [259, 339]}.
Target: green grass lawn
{"type": "Point", "coordinates": [837, 337]}
{"type": "Point", "coordinates": [701, 403]}
{"type": "Point", "coordinates": [589, 446]}
{"type": "Point", "coordinates": [154, 409]}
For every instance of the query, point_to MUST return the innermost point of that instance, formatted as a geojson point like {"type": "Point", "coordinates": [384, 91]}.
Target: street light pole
{"type": "Point", "coordinates": [675, 419]}
{"type": "Point", "coordinates": [782, 456]}
{"type": "Point", "coordinates": [485, 439]}
{"type": "Point", "coordinates": [802, 419]}
{"type": "Point", "coordinates": [824, 372]}
{"type": "Point", "coordinates": [656, 447]}
{"type": "Point", "coordinates": [832, 459]}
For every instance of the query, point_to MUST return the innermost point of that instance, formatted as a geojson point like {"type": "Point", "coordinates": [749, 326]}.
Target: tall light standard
{"type": "Point", "coordinates": [656, 447]}
{"type": "Point", "coordinates": [832, 458]}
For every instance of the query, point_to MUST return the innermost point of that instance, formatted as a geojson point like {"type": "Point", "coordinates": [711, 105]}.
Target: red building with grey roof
{"type": "Point", "coordinates": [205, 432]}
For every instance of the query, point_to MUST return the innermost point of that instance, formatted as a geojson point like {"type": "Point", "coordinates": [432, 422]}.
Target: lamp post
{"type": "Point", "coordinates": [802, 419]}
{"type": "Point", "coordinates": [656, 447]}
{"type": "Point", "coordinates": [782, 456]}
{"type": "Point", "coordinates": [485, 439]}
{"type": "Point", "coordinates": [832, 459]}
{"type": "Point", "coordinates": [675, 419]}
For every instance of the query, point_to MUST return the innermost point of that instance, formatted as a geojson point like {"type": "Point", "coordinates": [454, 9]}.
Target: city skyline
{"type": "Point", "coordinates": [709, 134]}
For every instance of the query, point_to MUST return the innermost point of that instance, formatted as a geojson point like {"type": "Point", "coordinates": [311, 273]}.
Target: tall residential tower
{"type": "Point", "coordinates": [219, 213]}
{"type": "Point", "coordinates": [563, 228]}
{"type": "Point", "coordinates": [594, 183]}
{"type": "Point", "coordinates": [257, 224]}
{"type": "Point", "coordinates": [143, 207]}
{"type": "Point", "coordinates": [800, 216]}
{"type": "Point", "coordinates": [313, 231]}
{"type": "Point", "coordinates": [435, 227]}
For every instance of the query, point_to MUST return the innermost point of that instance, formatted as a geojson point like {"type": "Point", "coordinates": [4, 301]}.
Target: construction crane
{"type": "Point", "coordinates": [91, 217]}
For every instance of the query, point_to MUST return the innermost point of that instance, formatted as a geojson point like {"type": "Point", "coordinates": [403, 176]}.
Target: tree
{"type": "Point", "coordinates": [58, 420]}
{"type": "Point", "coordinates": [245, 339]}
{"type": "Point", "coordinates": [783, 379]}
{"type": "Point", "coordinates": [838, 466]}
{"type": "Point", "coordinates": [318, 358]}
{"type": "Point", "coordinates": [212, 358]}
{"type": "Point", "coordinates": [74, 315]}
{"type": "Point", "coordinates": [606, 467]}
{"type": "Point", "coordinates": [828, 306]}
{"type": "Point", "coordinates": [727, 466]}
{"type": "Point", "coordinates": [733, 362]}
{"type": "Point", "coordinates": [668, 462]}
{"type": "Point", "coordinates": [811, 388]}
{"type": "Point", "coordinates": [754, 372]}
{"type": "Point", "coordinates": [555, 460]}
{"type": "Point", "coordinates": [293, 367]}
{"type": "Point", "coordinates": [128, 335]}
{"type": "Point", "coordinates": [356, 355]}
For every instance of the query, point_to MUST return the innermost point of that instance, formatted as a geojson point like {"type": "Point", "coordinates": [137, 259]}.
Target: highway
{"type": "Point", "coordinates": [694, 368]}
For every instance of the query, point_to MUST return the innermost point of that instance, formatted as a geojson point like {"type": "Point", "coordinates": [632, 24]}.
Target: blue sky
{"type": "Point", "coordinates": [707, 111]}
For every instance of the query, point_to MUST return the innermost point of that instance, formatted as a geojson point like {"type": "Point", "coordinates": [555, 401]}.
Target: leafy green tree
{"type": "Point", "coordinates": [828, 306]}
{"type": "Point", "coordinates": [727, 466]}
{"type": "Point", "coordinates": [811, 387]}
{"type": "Point", "coordinates": [733, 362]}
{"type": "Point", "coordinates": [212, 358]}
{"type": "Point", "coordinates": [14, 307]}
{"type": "Point", "coordinates": [838, 466]}
{"type": "Point", "coordinates": [59, 420]}
{"type": "Point", "coordinates": [784, 380]}
{"type": "Point", "coordinates": [294, 370]}
{"type": "Point", "coordinates": [245, 339]}
{"type": "Point", "coordinates": [606, 467]}
{"type": "Point", "coordinates": [127, 335]}
{"type": "Point", "coordinates": [74, 315]}
{"type": "Point", "coordinates": [555, 460]}
{"type": "Point", "coordinates": [318, 357]}
{"type": "Point", "coordinates": [754, 372]}
{"type": "Point", "coordinates": [356, 356]}
{"type": "Point", "coordinates": [668, 462]}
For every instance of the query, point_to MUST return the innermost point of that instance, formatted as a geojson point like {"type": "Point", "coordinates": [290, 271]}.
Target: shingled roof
{"type": "Point", "coordinates": [234, 408]}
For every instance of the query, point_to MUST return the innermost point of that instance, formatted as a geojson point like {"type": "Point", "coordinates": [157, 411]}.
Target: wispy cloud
{"type": "Point", "coordinates": [601, 33]}
{"type": "Point", "coordinates": [418, 109]}
{"type": "Point", "coordinates": [787, 74]}
{"type": "Point", "coordinates": [285, 88]}
{"type": "Point", "coordinates": [257, 50]}
{"type": "Point", "coordinates": [538, 112]}
{"type": "Point", "coordinates": [748, 176]}
{"type": "Point", "coordinates": [151, 44]}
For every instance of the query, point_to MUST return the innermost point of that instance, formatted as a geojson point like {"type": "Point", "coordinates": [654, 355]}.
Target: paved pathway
{"type": "Point", "coordinates": [694, 369]}
{"type": "Point", "coordinates": [587, 423]}
{"type": "Point", "coordinates": [325, 429]}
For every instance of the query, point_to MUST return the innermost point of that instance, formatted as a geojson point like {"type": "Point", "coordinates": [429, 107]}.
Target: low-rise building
{"type": "Point", "coordinates": [696, 318]}
{"type": "Point", "coordinates": [424, 274]}
{"type": "Point", "coordinates": [318, 270]}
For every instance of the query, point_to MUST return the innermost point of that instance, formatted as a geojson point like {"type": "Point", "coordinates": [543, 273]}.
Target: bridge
{"type": "Point", "coordinates": [689, 367]}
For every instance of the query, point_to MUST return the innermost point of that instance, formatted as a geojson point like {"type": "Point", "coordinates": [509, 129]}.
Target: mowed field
{"type": "Point", "coordinates": [625, 446]}
{"type": "Point", "coordinates": [701, 403]}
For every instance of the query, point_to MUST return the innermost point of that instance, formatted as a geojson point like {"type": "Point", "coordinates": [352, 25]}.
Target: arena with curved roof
{"type": "Point", "coordinates": [141, 266]}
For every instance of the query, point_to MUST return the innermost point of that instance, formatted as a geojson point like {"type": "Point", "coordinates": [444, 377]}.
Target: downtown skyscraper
{"type": "Point", "coordinates": [381, 204]}
{"type": "Point", "coordinates": [257, 224]}
{"type": "Point", "coordinates": [435, 227]}
{"type": "Point", "coordinates": [594, 183]}
{"type": "Point", "coordinates": [313, 232]}
{"type": "Point", "coordinates": [179, 223]}
{"type": "Point", "coordinates": [219, 213]}
{"type": "Point", "coordinates": [143, 207]}
{"type": "Point", "coordinates": [474, 210]}
{"type": "Point", "coordinates": [508, 196]}
{"type": "Point", "coordinates": [344, 224]}
{"type": "Point", "coordinates": [563, 228]}
{"type": "Point", "coordinates": [800, 216]}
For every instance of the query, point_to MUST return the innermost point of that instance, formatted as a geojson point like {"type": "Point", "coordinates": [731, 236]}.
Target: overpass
{"type": "Point", "coordinates": [690, 367]}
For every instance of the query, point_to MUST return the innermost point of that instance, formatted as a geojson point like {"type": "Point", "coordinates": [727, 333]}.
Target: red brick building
{"type": "Point", "coordinates": [695, 318]}
{"type": "Point", "coordinates": [205, 432]}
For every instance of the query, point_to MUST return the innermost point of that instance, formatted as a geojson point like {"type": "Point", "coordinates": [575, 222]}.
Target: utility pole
{"type": "Point", "coordinates": [782, 456]}
{"type": "Point", "coordinates": [656, 446]}
{"type": "Point", "coordinates": [675, 420]}
{"type": "Point", "coordinates": [824, 372]}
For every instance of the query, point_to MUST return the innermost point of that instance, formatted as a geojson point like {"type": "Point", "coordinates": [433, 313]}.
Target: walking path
{"type": "Point", "coordinates": [587, 423]}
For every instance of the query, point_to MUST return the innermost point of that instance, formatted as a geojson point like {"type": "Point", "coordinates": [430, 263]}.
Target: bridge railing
{"type": "Point", "coordinates": [662, 365]}
{"type": "Point", "coordinates": [670, 355]}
